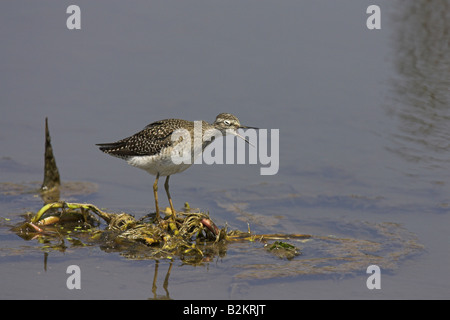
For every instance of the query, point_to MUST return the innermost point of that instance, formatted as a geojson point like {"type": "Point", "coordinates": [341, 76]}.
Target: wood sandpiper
{"type": "Point", "coordinates": [151, 149]}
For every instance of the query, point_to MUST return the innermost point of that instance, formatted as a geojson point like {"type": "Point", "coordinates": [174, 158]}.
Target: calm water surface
{"type": "Point", "coordinates": [364, 135]}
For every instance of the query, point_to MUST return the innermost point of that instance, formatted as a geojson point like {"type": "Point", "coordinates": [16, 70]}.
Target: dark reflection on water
{"type": "Point", "coordinates": [421, 95]}
{"type": "Point", "coordinates": [165, 296]}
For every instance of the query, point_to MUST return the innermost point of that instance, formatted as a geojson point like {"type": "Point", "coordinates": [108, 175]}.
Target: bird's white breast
{"type": "Point", "coordinates": [161, 163]}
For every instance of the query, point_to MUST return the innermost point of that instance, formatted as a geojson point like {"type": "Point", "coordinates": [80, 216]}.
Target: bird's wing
{"type": "Point", "coordinates": [148, 141]}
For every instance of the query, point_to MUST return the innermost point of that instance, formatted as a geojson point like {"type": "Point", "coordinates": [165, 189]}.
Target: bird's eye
{"type": "Point", "coordinates": [227, 122]}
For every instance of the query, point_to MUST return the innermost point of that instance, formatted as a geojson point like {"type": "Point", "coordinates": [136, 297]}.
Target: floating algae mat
{"type": "Point", "coordinates": [193, 237]}
{"type": "Point", "coordinates": [194, 240]}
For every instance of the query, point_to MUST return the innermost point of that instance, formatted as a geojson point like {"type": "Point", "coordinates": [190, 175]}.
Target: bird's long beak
{"type": "Point", "coordinates": [238, 135]}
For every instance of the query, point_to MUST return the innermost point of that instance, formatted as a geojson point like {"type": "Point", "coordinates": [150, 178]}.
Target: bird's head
{"type": "Point", "coordinates": [228, 123]}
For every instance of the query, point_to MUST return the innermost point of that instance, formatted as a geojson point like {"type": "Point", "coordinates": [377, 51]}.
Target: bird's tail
{"type": "Point", "coordinates": [117, 149]}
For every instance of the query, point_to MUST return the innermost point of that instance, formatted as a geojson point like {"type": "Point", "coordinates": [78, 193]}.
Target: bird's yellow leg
{"type": "Point", "coordinates": [166, 186]}
{"type": "Point", "coordinates": [155, 193]}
